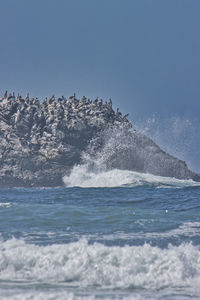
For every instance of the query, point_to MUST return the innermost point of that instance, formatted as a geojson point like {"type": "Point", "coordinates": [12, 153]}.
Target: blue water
{"type": "Point", "coordinates": [136, 241]}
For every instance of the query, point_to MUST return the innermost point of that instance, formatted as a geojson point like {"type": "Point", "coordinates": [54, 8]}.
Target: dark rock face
{"type": "Point", "coordinates": [41, 142]}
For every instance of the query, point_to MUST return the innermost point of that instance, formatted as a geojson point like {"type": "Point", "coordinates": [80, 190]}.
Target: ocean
{"type": "Point", "coordinates": [110, 235]}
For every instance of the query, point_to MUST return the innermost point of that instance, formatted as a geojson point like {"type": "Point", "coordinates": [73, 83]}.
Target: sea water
{"type": "Point", "coordinates": [106, 235]}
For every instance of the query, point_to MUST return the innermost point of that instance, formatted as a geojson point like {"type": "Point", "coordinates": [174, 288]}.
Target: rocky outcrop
{"type": "Point", "coordinates": [41, 142]}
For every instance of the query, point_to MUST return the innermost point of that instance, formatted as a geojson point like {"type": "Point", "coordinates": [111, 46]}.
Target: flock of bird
{"type": "Point", "coordinates": [61, 108]}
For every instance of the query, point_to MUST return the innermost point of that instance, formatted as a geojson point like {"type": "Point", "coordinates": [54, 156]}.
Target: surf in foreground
{"type": "Point", "coordinates": [110, 233]}
{"type": "Point", "coordinates": [99, 267]}
{"type": "Point", "coordinates": [134, 242]}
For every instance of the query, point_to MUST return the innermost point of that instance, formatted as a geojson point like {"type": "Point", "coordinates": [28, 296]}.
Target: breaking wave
{"type": "Point", "coordinates": [96, 265]}
{"type": "Point", "coordinates": [108, 162]}
{"type": "Point", "coordinates": [5, 204]}
{"type": "Point", "coordinates": [83, 176]}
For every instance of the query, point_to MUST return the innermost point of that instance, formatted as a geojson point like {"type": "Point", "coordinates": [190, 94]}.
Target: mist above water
{"type": "Point", "coordinates": [177, 135]}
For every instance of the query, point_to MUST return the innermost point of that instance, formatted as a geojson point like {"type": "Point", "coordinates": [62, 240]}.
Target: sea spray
{"type": "Point", "coordinates": [178, 135]}
{"type": "Point", "coordinates": [114, 153]}
{"type": "Point", "coordinates": [83, 176]}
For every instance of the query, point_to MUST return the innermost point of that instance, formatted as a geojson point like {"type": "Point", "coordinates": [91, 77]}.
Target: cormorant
{"type": "Point", "coordinates": [5, 95]}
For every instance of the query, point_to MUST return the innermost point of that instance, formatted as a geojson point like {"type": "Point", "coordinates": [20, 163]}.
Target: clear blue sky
{"type": "Point", "coordinates": [144, 54]}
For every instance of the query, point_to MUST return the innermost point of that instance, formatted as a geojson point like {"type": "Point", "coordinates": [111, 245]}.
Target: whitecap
{"type": "Point", "coordinates": [5, 204]}
{"type": "Point", "coordinates": [96, 265]}
{"type": "Point", "coordinates": [82, 176]}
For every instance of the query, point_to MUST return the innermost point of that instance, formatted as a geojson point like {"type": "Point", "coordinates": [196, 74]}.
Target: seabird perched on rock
{"type": "Point", "coordinates": [54, 104]}
{"type": "Point", "coordinates": [96, 100]}
{"type": "Point", "coordinates": [10, 96]}
{"type": "Point", "coordinates": [44, 102]}
{"type": "Point", "coordinates": [60, 99]}
{"type": "Point", "coordinates": [125, 118]}
{"type": "Point", "coordinates": [83, 100]}
{"type": "Point", "coordinates": [64, 101]}
{"type": "Point", "coordinates": [19, 98]}
{"type": "Point", "coordinates": [5, 95]}
{"type": "Point", "coordinates": [32, 100]}
{"type": "Point", "coordinates": [37, 102]}
{"type": "Point", "coordinates": [73, 97]}
{"type": "Point", "coordinates": [51, 100]}
{"type": "Point", "coordinates": [118, 113]}
{"type": "Point", "coordinates": [27, 97]}
{"type": "Point", "coordinates": [100, 102]}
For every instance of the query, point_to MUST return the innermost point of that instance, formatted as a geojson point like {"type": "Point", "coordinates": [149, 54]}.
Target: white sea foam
{"type": "Point", "coordinates": [84, 265]}
{"type": "Point", "coordinates": [83, 176]}
{"type": "Point", "coordinates": [5, 204]}
{"type": "Point", "coordinates": [20, 294]}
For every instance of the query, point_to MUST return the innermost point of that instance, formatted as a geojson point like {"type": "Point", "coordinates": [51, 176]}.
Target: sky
{"type": "Point", "coordinates": [144, 54]}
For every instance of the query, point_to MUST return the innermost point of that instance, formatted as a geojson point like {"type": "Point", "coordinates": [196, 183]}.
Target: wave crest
{"type": "Point", "coordinates": [85, 177]}
{"type": "Point", "coordinates": [96, 265]}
